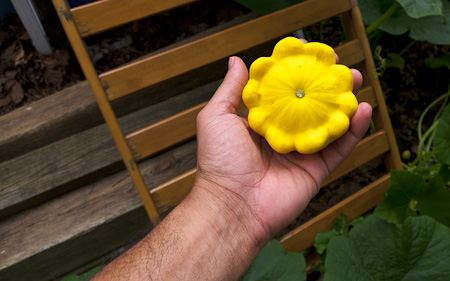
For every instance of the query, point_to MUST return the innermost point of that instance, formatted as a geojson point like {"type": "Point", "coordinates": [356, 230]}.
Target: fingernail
{"type": "Point", "coordinates": [230, 62]}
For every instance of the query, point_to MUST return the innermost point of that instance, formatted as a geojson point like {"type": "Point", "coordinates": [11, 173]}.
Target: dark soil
{"type": "Point", "coordinates": [27, 76]}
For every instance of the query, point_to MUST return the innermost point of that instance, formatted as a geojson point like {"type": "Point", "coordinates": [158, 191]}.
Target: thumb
{"type": "Point", "coordinates": [228, 96]}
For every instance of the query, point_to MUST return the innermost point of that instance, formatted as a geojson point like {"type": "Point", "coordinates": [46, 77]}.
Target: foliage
{"type": "Point", "coordinates": [419, 249]}
{"type": "Point", "coordinates": [85, 276]}
{"type": "Point", "coordinates": [341, 226]}
{"type": "Point", "coordinates": [274, 263]}
{"type": "Point", "coordinates": [411, 195]}
{"type": "Point", "coordinates": [423, 19]}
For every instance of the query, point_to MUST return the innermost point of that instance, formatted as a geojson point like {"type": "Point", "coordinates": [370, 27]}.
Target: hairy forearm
{"type": "Point", "coordinates": [204, 238]}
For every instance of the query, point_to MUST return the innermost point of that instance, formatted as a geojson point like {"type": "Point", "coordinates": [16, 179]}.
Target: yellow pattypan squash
{"type": "Point", "coordinates": [299, 99]}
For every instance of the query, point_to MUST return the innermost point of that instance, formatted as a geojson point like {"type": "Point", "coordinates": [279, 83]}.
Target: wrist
{"type": "Point", "coordinates": [234, 226]}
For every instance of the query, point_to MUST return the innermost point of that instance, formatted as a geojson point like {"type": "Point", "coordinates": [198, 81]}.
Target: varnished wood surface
{"type": "Point", "coordinates": [131, 77]}
{"type": "Point", "coordinates": [350, 53]}
{"type": "Point", "coordinates": [357, 204]}
{"type": "Point", "coordinates": [366, 150]}
{"type": "Point", "coordinates": [164, 134]}
{"type": "Point", "coordinates": [102, 15]}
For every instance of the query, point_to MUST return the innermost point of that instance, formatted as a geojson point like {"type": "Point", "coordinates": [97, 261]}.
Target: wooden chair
{"type": "Point", "coordinates": [97, 17]}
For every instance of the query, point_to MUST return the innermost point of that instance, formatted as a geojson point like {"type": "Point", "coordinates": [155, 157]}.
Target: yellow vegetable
{"type": "Point", "coordinates": [299, 99]}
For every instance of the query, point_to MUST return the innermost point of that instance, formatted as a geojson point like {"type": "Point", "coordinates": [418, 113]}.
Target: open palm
{"type": "Point", "coordinates": [275, 187]}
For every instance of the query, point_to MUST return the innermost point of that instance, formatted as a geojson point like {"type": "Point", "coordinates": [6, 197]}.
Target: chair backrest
{"type": "Point", "coordinates": [87, 20]}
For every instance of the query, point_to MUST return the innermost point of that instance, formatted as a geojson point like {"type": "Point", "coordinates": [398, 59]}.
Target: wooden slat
{"type": "Point", "coordinates": [47, 120]}
{"type": "Point", "coordinates": [46, 172]}
{"type": "Point", "coordinates": [88, 222]}
{"type": "Point", "coordinates": [366, 150]}
{"type": "Point", "coordinates": [367, 95]}
{"type": "Point", "coordinates": [353, 206]}
{"type": "Point", "coordinates": [165, 133]}
{"type": "Point", "coordinates": [106, 14]}
{"type": "Point", "coordinates": [356, 29]}
{"type": "Point", "coordinates": [137, 75]}
{"type": "Point", "coordinates": [350, 53]}
{"type": "Point", "coordinates": [171, 193]}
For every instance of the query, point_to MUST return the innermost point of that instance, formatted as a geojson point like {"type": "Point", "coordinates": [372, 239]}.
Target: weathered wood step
{"type": "Point", "coordinates": [79, 159]}
{"type": "Point", "coordinates": [63, 234]}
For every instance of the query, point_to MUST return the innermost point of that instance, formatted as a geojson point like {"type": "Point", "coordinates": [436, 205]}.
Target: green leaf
{"type": "Point", "coordinates": [322, 239]}
{"type": "Point", "coordinates": [444, 173]}
{"type": "Point", "coordinates": [85, 276]}
{"type": "Point", "coordinates": [442, 137]}
{"type": "Point", "coordinates": [434, 29]}
{"type": "Point", "coordinates": [274, 263]}
{"type": "Point", "coordinates": [410, 194]}
{"type": "Point", "coordinates": [438, 62]}
{"type": "Point", "coordinates": [421, 8]}
{"type": "Point", "coordinates": [395, 60]}
{"type": "Point", "coordinates": [340, 224]}
{"type": "Point", "coordinates": [418, 250]}
{"type": "Point", "coordinates": [267, 6]}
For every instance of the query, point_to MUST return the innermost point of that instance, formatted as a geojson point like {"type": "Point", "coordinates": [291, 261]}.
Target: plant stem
{"type": "Point", "coordinates": [422, 116]}
{"type": "Point", "coordinates": [407, 47]}
{"type": "Point", "coordinates": [371, 28]}
{"type": "Point", "coordinates": [425, 136]}
{"type": "Point", "coordinates": [344, 29]}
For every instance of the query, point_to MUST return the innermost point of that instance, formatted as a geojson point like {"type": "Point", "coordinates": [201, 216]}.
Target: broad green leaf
{"type": "Point", "coordinates": [85, 276]}
{"type": "Point", "coordinates": [418, 250]}
{"type": "Point", "coordinates": [421, 8]}
{"type": "Point", "coordinates": [409, 195]}
{"type": "Point", "coordinates": [434, 29]}
{"type": "Point", "coordinates": [267, 6]}
{"type": "Point", "coordinates": [441, 142]}
{"type": "Point", "coordinates": [274, 263]}
{"type": "Point", "coordinates": [444, 173]}
{"type": "Point", "coordinates": [438, 62]}
{"type": "Point", "coordinates": [340, 227]}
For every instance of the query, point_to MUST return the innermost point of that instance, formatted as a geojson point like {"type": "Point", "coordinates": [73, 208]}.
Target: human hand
{"type": "Point", "coordinates": [244, 193]}
{"type": "Point", "coordinates": [239, 164]}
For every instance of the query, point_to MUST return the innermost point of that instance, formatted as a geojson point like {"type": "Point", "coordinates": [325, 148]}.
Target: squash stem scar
{"type": "Point", "coordinates": [300, 94]}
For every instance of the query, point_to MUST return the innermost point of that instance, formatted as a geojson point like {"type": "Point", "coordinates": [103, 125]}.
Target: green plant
{"type": "Point", "coordinates": [85, 276]}
{"type": "Point", "coordinates": [408, 235]}
{"type": "Point", "coordinates": [274, 263]}
{"type": "Point", "coordinates": [422, 19]}
{"type": "Point", "coordinates": [418, 249]}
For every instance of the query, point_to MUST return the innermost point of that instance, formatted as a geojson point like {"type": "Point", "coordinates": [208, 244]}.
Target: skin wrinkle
{"type": "Point", "coordinates": [241, 201]}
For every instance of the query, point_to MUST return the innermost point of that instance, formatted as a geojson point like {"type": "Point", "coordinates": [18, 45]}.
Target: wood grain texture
{"type": "Point", "coordinates": [367, 95]}
{"type": "Point", "coordinates": [350, 53]}
{"type": "Point", "coordinates": [131, 77]}
{"type": "Point", "coordinates": [88, 222]}
{"type": "Point", "coordinates": [353, 206]}
{"type": "Point", "coordinates": [102, 15]}
{"type": "Point", "coordinates": [356, 29]}
{"type": "Point", "coordinates": [39, 123]}
{"type": "Point", "coordinates": [366, 150]}
{"type": "Point", "coordinates": [167, 132]}
{"type": "Point", "coordinates": [71, 162]}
